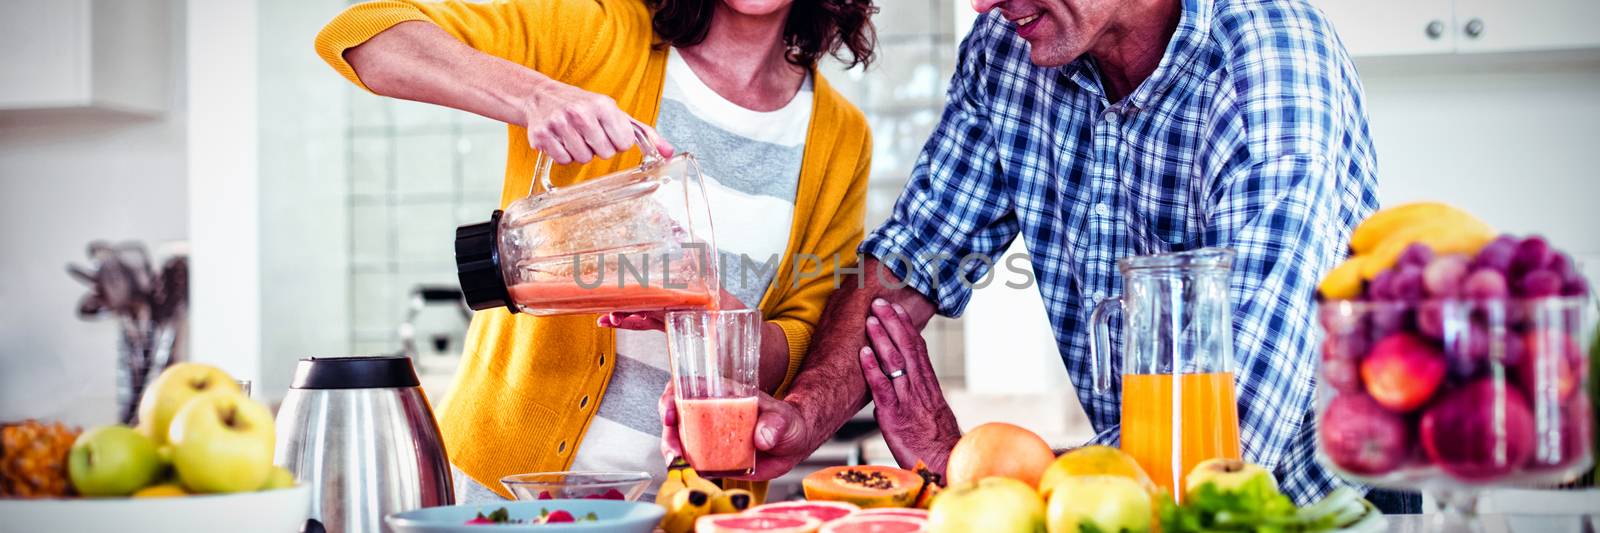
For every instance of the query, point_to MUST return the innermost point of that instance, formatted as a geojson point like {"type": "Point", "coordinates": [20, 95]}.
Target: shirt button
{"type": "Point", "coordinates": [1102, 209]}
{"type": "Point", "coordinates": [1111, 117]}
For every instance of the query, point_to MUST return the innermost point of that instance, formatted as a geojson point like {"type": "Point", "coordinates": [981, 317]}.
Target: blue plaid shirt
{"type": "Point", "coordinates": [1251, 134]}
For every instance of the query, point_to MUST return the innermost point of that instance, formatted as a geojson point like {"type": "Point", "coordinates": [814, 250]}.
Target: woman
{"type": "Point", "coordinates": [733, 81]}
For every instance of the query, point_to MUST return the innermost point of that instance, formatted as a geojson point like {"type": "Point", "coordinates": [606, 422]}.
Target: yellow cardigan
{"type": "Point", "coordinates": [527, 387]}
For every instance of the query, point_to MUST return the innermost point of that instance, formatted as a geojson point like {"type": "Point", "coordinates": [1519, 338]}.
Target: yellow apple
{"type": "Point", "coordinates": [1093, 460]}
{"type": "Point", "coordinates": [1111, 503]}
{"type": "Point", "coordinates": [222, 442]}
{"type": "Point", "coordinates": [112, 461]}
{"type": "Point", "coordinates": [993, 504]}
{"type": "Point", "coordinates": [1227, 474]}
{"type": "Point", "coordinates": [174, 387]}
{"type": "Point", "coordinates": [280, 478]}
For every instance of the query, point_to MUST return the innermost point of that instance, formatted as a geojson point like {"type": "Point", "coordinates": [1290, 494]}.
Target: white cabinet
{"type": "Point", "coordinates": [64, 54]}
{"type": "Point", "coordinates": [1392, 27]}
{"type": "Point", "coordinates": [1505, 26]}
{"type": "Point", "coordinates": [1412, 27]}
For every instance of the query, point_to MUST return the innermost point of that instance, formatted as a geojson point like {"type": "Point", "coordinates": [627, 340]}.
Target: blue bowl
{"type": "Point", "coordinates": [614, 517]}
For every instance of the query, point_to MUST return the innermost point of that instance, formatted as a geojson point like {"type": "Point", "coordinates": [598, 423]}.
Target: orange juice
{"type": "Point", "coordinates": [1169, 433]}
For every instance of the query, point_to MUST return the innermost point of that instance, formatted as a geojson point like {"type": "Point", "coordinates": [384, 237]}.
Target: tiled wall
{"type": "Point", "coordinates": [417, 171]}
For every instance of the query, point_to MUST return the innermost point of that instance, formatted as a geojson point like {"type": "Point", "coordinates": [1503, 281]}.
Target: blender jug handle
{"type": "Point", "coordinates": [541, 163]}
{"type": "Point", "coordinates": [1100, 342]}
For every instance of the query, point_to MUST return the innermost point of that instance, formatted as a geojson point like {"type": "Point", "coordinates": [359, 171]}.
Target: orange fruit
{"type": "Point", "coordinates": [998, 449]}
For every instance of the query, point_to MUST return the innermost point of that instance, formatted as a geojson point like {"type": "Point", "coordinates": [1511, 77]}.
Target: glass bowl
{"type": "Point", "coordinates": [626, 486]}
{"type": "Point", "coordinates": [1453, 396]}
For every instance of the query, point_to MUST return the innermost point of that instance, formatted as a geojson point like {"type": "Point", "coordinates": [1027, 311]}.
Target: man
{"type": "Point", "coordinates": [1100, 129]}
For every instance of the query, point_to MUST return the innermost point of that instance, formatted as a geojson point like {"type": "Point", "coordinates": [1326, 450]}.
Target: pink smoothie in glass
{"type": "Point", "coordinates": [718, 435]}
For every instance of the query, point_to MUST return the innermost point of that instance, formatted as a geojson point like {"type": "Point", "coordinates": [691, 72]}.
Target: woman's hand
{"type": "Point", "coordinates": [655, 320]}
{"type": "Point", "coordinates": [907, 400]}
{"type": "Point", "coordinates": [571, 125]}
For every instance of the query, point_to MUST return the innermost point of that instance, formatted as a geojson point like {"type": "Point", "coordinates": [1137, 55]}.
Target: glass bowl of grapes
{"type": "Point", "coordinates": [1452, 373]}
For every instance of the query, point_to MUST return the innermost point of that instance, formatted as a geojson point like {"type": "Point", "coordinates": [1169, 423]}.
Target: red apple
{"type": "Point", "coordinates": [1402, 372]}
{"type": "Point", "coordinates": [1545, 372]}
{"type": "Point", "coordinates": [1362, 437]}
{"type": "Point", "coordinates": [1480, 431]}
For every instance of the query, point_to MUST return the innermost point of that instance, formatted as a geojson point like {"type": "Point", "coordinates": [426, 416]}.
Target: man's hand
{"type": "Point", "coordinates": [780, 437]}
{"type": "Point", "coordinates": [571, 125]}
{"type": "Point", "coordinates": [908, 402]}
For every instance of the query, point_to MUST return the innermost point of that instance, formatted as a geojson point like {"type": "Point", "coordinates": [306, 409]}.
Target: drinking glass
{"type": "Point", "coordinates": [715, 357]}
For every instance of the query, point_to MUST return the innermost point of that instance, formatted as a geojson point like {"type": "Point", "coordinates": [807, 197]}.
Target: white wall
{"type": "Point", "coordinates": [67, 179]}
{"type": "Point", "coordinates": [1511, 138]}
{"type": "Point", "coordinates": [305, 247]}
{"type": "Point", "coordinates": [224, 231]}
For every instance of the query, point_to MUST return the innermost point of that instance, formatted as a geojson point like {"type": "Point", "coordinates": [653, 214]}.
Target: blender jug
{"type": "Point", "coordinates": [1178, 404]}
{"type": "Point", "coordinates": [635, 240]}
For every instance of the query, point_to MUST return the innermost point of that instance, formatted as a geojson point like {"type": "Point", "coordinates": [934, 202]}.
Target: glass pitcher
{"type": "Point", "coordinates": [635, 240]}
{"type": "Point", "coordinates": [1178, 404]}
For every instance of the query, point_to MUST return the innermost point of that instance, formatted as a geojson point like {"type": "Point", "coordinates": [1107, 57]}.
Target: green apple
{"type": "Point", "coordinates": [174, 387]}
{"type": "Point", "coordinates": [994, 504]}
{"type": "Point", "coordinates": [1228, 475]}
{"type": "Point", "coordinates": [222, 442]}
{"type": "Point", "coordinates": [112, 461]}
{"type": "Point", "coordinates": [280, 478]}
{"type": "Point", "coordinates": [1110, 503]}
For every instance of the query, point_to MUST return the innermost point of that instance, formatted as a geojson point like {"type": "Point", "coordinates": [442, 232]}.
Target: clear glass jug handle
{"type": "Point", "coordinates": [1100, 342]}
{"type": "Point", "coordinates": [541, 164]}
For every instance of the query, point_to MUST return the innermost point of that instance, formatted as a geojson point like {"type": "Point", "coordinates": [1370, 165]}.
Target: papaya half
{"type": "Point", "coordinates": [867, 486]}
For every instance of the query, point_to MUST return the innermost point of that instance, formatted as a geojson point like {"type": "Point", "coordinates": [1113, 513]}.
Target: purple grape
{"type": "Point", "coordinates": [1351, 346]}
{"type": "Point", "coordinates": [1485, 283]}
{"type": "Point", "coordinates": [1388, 319]}
{"type": "Point", "coordinates": [1497, 254]}
{"type": "Point", "coordinates": [1430, 319]}
{"type": "Point", "coordinates": [1443, 275]}
{"type": "Point", "coordinates": [1562, 265]}
{"type": "Point", "coordinates": [1575, 287]}
{"type": "Point", "coordinates": [1532, 253]}
{"type": "Point", "coordinates": [1379, 288]}
{"type": "Point", "coordinates": [1417, 253]}
{"type": "Point", "coordinates": [1466, 349]}
{"type": "Point", "coordinates": [1407, 283]}
{"type": "Point", "coordinates": [1511, 351]}
{"type": "Point", "coordinates": [1539, 284]}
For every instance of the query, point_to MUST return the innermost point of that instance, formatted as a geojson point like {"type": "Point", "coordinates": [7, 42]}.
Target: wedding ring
{"type": "Point", "coordinates": [897, 373]}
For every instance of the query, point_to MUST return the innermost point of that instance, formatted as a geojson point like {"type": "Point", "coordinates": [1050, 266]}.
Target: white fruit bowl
{"type": "Point", "coordinates": [272, 511]}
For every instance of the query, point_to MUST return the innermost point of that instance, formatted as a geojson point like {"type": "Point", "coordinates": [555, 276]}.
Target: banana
{"type": "Point", "coordinates": [1452, 237]}
{"type": "Point", "coordinates": [1344, 281]}
{"type": "Point", "coordinates": [686, 507]}
{"type": "Point", "coordinates": [672, 485]}
{"type": "Point", "coordinates": [731, 501]}
{"type": "Point", "coordinates": [1378, 228]}
{"type": "Point", "coordinates": [692, 479]}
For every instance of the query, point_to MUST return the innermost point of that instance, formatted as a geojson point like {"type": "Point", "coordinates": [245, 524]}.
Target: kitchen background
{"type": "Point", "coordinates": [313, 210]}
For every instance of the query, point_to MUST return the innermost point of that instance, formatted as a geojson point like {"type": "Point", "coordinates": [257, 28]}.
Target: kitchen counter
{"type": "Point", "coordinates": [1502, 523]}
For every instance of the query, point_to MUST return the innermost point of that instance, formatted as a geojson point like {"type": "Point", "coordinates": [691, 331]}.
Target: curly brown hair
{"type": "Point", "coordinates": [815, 28]}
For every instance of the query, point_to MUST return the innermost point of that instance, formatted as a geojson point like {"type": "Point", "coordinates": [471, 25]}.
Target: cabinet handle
{"type": "Point", "coordinates": [1435, 29]}
{"type": "Point", "coordinates": [1474, 28]}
